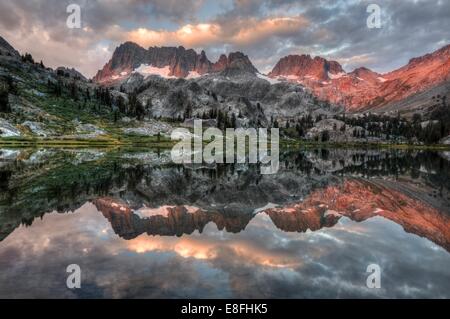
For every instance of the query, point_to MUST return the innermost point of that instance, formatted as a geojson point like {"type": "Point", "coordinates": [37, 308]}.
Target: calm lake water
{"type": "Point", "coordinates": [142, 227]}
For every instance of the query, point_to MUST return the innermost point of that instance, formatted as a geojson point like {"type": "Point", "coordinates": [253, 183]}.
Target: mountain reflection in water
{"type": "Point", "coordinates": [141, 227]}
{"type": "Point", "coordinates": [356, 199]}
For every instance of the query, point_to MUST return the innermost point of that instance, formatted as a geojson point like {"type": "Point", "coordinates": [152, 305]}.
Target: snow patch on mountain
{"type": "Point", "coordinates": [193, 75]}
{"type": "Point", "coordinates": [336, 76]}
{"type": "Point", "coordinates": [268, 79]}
{"type": "Point", "coordinates": [145, 212]}
{"type": "Point", "coordinates": [147, 70]}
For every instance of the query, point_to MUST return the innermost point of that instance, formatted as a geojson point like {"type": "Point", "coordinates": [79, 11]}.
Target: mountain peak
{"type": "Point", "coordinates": [235, 64]}
{"type": "Point", "coordinates": [304, 65]}
{"type": "Point", "coordinates": [130, 44]}
{"type": "Point", "coordinates": [365, 74]}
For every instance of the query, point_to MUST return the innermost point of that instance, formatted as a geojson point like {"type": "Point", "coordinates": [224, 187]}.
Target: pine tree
{"type": "Point", "coordinates": [325, 136]}
{"type": "Point", "coordinates": [299, 129]}
{"type": "Point", "coordinates": [28, 58]}
{"type": "Point", "coordinates": [140, 111]}
{"type": "Point", "coordinates": [275, 124]}
{"type": "Point", "coordinates": [188, 111]}
{"type": "Point", "coordinates": [4, 100]}
{"type": "Point", "coordinates": [121, 104]}
{"type": "Point", "coordinates": [11, 85]}
{"type": "Point", "coordinates": [73, 91]}
{"type": "Point", "coordinates": [233, 120]}
{"type": "Point", "coordinates": [132, 102]}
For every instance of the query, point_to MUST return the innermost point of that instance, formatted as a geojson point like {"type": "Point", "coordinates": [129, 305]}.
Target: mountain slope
{"type": "Point", "coordinates": [6, 49]}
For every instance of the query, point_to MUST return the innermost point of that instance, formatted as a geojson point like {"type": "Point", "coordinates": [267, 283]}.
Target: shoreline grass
{"type": "Point", "coordinates": [163, 142]}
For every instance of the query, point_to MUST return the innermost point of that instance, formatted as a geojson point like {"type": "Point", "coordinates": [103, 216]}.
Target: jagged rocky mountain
{"type": "Point", "coordinates": [356, 199]}
{"type": "Point", "coordinates": [303, 66]}
{"type": "Point", "coordinates": [169, 62]}
{"type": "Point", "coordinates": [359, 90]}
{"type": "Point", "coordinates": [364, 89]}
{"type": "Point", "coordinates": [171, 80]}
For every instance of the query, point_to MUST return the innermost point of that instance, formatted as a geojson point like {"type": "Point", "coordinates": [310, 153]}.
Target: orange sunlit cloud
{"type": "Point", "coordinates": [188, 247]}
{"type": "Point", "coordinates": [245, 32]}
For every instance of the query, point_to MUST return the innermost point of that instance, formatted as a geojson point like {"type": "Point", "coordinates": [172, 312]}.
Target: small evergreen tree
{"type": "Point", "coordinates": [4, 100]}
{"type": "Point", "coordinates": [275, 124]}
{"type": "Point", "coordinates": [325, 136]}
{"type": "Point", "coordinates": [233, 120]}
{"type": "Point", "coordinates": [28, 58]}
{"type": "Point", "coordinates": [11, 85]}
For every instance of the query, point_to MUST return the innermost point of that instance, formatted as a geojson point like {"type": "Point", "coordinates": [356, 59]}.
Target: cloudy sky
{"type": "Point", "coordinates": [266, 30]}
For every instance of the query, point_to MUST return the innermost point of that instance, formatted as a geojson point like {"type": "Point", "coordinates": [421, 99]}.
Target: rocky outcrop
{"type": "Point", "coordinates": [125, 58]}
{"type": "Point", "coordinates": [235, 64]}
{"type": "Point", "coordinates": [7, 129]}
{"type": "Point", "coordinates": [336, 131]}
{"type": "Point", "coordinates": [366, 74]}
{"type": "Point", "coordinates": [445, 140]}
{"type": "Point", "coordinates": [70, 73]}
{"type": "Point", "coordinates": [304, 66]}
{"type": "Point", "coordinates": [180, 61]}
